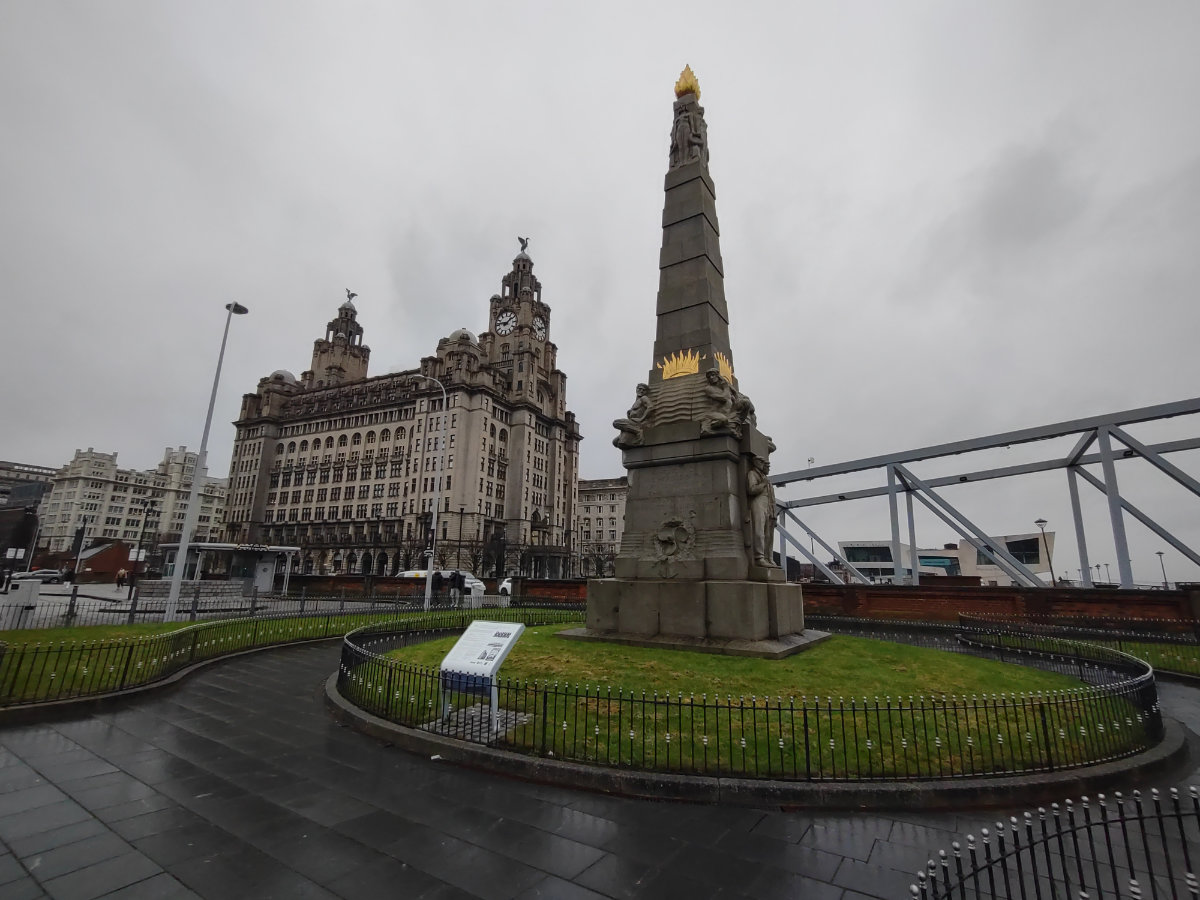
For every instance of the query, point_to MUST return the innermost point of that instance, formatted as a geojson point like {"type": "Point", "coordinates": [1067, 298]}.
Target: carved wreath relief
{"type": "Point", "coordinates": [675, 540]}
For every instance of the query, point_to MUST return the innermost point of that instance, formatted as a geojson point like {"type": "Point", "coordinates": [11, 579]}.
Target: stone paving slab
{"type": "Point", "coordinates": [237, 783]}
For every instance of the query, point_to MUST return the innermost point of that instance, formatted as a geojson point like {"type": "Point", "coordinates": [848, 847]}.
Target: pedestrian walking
{"type": "Point", "coordinates": [120, 578]}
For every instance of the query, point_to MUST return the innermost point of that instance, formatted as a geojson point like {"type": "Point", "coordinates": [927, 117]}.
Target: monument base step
{"type": "Point", "coordinates": [770, 648]}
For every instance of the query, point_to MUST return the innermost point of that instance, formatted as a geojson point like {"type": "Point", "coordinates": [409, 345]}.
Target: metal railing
{"type": "Point", "coordinates": [1170, 645]}
{"type": "Point", "coordinates": [38, 672]}
{"type": "Point", "coordinates": [1116, 848]}
{"type": "Point", "coordinates": [80, 609]}
{"type": "Point", "coordinates": [810, 739]}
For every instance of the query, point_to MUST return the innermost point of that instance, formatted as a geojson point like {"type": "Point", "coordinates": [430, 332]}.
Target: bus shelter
{"type": "Point", "coordinates": [254, 565]}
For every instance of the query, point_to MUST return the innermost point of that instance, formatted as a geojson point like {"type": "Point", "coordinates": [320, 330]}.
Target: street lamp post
{"type": "Point", "coordinates": [1041, 523]}
{"type": "Point", "coordinates": [79, 551]}
{"type": "Point", "coordinates": [146, 504]}
{"type": "Point", "coordinates": [33, 549]}
{"type": "Point", "coordinates": [189, 522]}
{"type": "Point", "coordinates": [1161, 565]}
{"type": "Point", "coordinates": [1107, 574]}
{"type": "Point", "coordinates": [437, 489]}
{"type": "Point", "coordinates": [1097, 571]}
{"type": "Point", "coordinates": [458, 555]}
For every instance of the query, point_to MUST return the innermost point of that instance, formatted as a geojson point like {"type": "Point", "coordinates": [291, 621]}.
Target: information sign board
{"type": "Point", "coordinates": [472, 663]}
{"type": "Point", "coordinates": [482, 648]}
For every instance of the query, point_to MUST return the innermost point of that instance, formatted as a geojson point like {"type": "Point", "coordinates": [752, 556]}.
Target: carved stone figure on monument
{"type": "Point", "coordinates": [761, 494]}
{"type": "Point", "coordinates": [640, 415]}
{"type": "Point", "coordinates": [689, 134]}
{"type": "Point", "coordinates": [743, 409]}
{"type": "Point", "coordinates": [721, 417]}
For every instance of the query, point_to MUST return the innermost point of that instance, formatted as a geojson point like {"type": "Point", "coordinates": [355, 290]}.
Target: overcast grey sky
{"type": "Point", "coordinates": [939, 220]}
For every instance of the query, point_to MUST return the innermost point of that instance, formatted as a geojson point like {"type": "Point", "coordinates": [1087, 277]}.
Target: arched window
{"type": "Point", "coordinates": [292, 447]}
{"type": "Point", "coordinates": [504, 435]}
{"type": "Point", "coordinates": [356, 440]}
{"type": "Point", "coordinates": [385, 435]}
{"type": "Point", "coordinates": [328, 443]}
{"type": "Point", "coordinates": [400, 433]}
{"type": "Point", "coordinates": [370, 437]}
{"type": "Point", "coordinates": [279, 449]}
{"type": "Point", "coordinates": [304, 446]}
{"type": "Point", "coordinates": [341, 440]}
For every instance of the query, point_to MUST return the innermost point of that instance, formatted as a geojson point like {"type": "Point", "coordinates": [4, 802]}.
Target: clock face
{"type": "Point", "coordinates": [506, 322]}
{"type": "Point", "coordinates": [539, 328]}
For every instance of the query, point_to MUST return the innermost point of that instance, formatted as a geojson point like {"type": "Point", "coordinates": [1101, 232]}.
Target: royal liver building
{"type": "Point", "coordinates": [350, 467]}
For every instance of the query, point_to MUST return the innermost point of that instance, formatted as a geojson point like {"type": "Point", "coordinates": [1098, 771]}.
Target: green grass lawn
{"type": "Point", "coordinates": [50, 664]}
{"type": "Point", "coordinates": [1167, 656]}
{"type": "Point", "coordinates": [839, 667]}
{"type": "Point", "coordinates": [108, 631]}
{"type": "Point", "coordinates": [848, 709]}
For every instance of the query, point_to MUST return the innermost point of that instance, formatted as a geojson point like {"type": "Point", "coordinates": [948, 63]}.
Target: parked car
{"type": "Point", "coordinates": [46, 576]}
{"type": "Point", "coordinates": [505, 587]}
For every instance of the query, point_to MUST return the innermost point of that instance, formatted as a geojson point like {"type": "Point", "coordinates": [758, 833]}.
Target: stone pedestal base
{"type": "Point", "coordinates": [718, 616]}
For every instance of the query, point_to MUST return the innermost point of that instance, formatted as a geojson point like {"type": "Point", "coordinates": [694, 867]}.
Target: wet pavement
{"type": "Point", "coordinates": [238, 784]}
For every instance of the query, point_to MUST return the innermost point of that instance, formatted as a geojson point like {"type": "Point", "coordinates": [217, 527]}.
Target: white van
{"type": "Point", "coordinates": [474, 587]}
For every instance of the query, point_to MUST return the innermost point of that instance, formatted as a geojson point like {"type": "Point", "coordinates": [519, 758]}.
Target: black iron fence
{"type": "Point", "coordinates": [1170, 645]}
{"type": "Point", "coordinates": [1112, 848]}
{"type": "Point", "coordinates": [82, 609]}
{"type": "Point", "coordinates": [35, 672]}
{"type": "Point", "coordinates": [812, 739]}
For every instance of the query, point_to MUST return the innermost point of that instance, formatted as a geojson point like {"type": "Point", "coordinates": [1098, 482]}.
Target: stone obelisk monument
{"type": "Point", "coordinates": [695, 568]}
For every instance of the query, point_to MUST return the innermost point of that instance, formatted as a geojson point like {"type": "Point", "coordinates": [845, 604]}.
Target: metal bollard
{"type": "Point", "coordinates": [70, 613]}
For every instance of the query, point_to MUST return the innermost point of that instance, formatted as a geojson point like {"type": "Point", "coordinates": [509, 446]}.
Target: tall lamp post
{"type": "Point", "coordinates": [1161, 565]}
{"type": "Point", "coordinates": [458, 554]}
{"type": "Point", "coordinates": [146, 505]}
{"type": "Point", "coordinates": [33, 549]}
{"type": "Point", "coordinates": [437, 489]}
{"type": "Point", "coordinates": [81, 536]}
{"type": "Point", "coordinates": [189, 521]}
{"type": "Point", "coordinates": [1041, 523]}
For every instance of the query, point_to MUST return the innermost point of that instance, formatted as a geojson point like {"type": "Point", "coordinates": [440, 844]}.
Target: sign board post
{"type": "Point", "coordinates": [472, 663]}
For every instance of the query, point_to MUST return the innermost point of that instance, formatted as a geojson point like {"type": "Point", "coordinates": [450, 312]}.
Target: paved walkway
{"type": "Point", "coordinates": [238, 784]}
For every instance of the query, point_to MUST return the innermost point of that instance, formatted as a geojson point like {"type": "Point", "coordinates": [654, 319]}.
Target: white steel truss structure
{"type": "Point", "coordinates": [898, 478]}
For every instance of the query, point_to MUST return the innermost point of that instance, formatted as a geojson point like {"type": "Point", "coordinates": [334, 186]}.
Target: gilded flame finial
{"type": "Point", "coordinates": [687, 83]}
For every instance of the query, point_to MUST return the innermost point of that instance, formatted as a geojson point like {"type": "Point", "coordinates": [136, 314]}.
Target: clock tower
{"type": "Point", "coordinates": [519, 326]}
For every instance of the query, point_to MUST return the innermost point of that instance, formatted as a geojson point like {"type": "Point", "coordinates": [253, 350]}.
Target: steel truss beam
{"type": "Point", "coordinates": [986, 474]}
{"type": "Point", "coordinates": [1144, 519]}
{"type": "Point", "coordinates": [1099, 430]}
{"type": "Point", "coordinates": [1000, 556]}
{"type": "Point", "coordinates": [1004, 439]}
{"type": "Point", "coordinates": [859, 576]}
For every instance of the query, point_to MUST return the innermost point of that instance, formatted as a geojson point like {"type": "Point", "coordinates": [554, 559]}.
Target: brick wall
{"type": "Point", "coordinates": [945, 602]}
